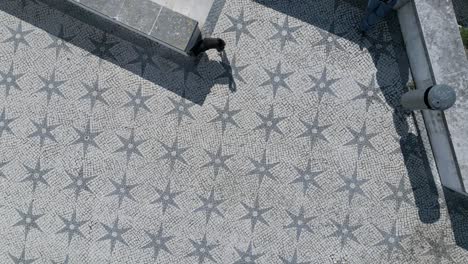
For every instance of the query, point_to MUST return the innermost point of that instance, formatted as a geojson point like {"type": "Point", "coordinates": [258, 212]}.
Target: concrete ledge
{"type": "Point", "coordinates": [436, 56]}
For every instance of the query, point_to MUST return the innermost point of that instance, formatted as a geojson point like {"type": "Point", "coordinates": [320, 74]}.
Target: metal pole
{"type": "Point", "coordinates": [437, 97]}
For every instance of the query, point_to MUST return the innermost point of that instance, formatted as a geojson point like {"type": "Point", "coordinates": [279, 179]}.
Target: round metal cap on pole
{"type": "Point", "coordinates": [437, 97]}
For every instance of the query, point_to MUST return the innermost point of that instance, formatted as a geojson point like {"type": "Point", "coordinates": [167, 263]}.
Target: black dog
{"type": "Point", "coordinates": [206, 44]}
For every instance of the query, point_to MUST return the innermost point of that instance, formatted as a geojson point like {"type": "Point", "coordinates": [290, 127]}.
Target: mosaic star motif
{"type": "Point", "coordinates": [314, 131]}
{"type": "Point", "coordinates": [114, 234]}
{"type": "Point", "coordinates": [28, 220]}
{"type": "Point", "coordinates": [79, 182]}
{"type": "Point", "coordinates": [187, 67]}
{"type": "Point", "coordinates": [439, 248]}
{"type": "Point", "coordinates": [173, 153]}
{"type": "Point", "coordinates": [122, 190]}
{"type": "Point", "coordinates": [94, 94]}
{"type": "Point", "coordinates": [137, 101]}
{"type": "Point", "coordinates": [36, 175]}
{"type": "Point", "coordinates": [130, 145]}
{"type": "Point", "coordinates": [330, 39]}
{"type": "Point", "coordinates": [72, 226]}
{"type": "Point", "coordinates": [158, 242]}
{"type": "Point", "coordinates": [181, 109]}
{"type": "Point", "coordinates": [399, 194]}
{"type": "Point", "coordinates": [345, 231]}
{"type": "Point", "coordinates": [269, 123]}
{"type": "Point", "coordinates": [306, 177]}
{"type": "Point", "coordinates": [144, 58]}
{"type": "Point", "coordinates": [247, 256]}
{"type": "Point", "coordinates": [202, 250]}
{"type": "Point", "coordinates": [299, 222]}
{"type": "Point", "coordinates": [255, 214]}
{"type": "Point", "coordinates": [10, 80]}
{"type": "Point", "coordinates": [102, 48]}
{"type": "Point", "coordinates": [166, 197]}
{"type": "Point", "coordinates": [51, 86]}
{"type": "Point", "coordinates": [22, 258]}
{"type": "Point", "coordinates": [65, 261]}
{"type": "Point", "coordinates": [361, 139]}
{"type": "Point", "coordinates": [294, 259]}
{"type": "Point", "coordinates": [277, 79]}
{"type": "Point", "coordinates": [225, 116]}
{"type": "Point", "coordinates": [322, 85]}
{"type": "Point", "coordinates": [240, 26]}
{"type": "Point", "coordinates": [18, 36]}
{"type": "Point", "coordinates": [86, 137]}
{"type": "Point", "coordinates": [210, 206]}
{"type": "Point", "coordinates": [391, 240]}
{"type": "Point", "coordinates": [370, 93]}
{"type": "Point", "coordinates": [352, 186]}
{"type": "Point", "coordinates": [59, 42]}
{"type": "Point", "coordinates": [379, 46]}
{"type": "Point", "coordinates": [3, 164]}
{"type": "Point", "coordinates": [233, 71]}
{"type": "Point", "coordinates": [218, 160]}
{"type": "Point", "coordinates": [5, 124]}
{"type": "Point", "coordinates": [262, 168]}
{"type": "Point", "coordinates": [284, 32]}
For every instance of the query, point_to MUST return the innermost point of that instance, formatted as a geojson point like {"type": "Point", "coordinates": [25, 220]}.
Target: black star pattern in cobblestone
{"type": "Point", "coordinates": [122, 190]}
{"type": "Point", "coordinates": [187, 67]}
{"type": "Point", "coordinates": [299, 222]}
{"type": "Point", "coordinates": [330, 39]}
{"type": "Point", "coordinates": [18, 36]}
{"type": "Point", "coordinates": [51, 86]}
{"type": "Point", "coordinates": [79, 183]}
{"type": "Point", "coordinates": [391, 240]}
{"type": "Point", "coordinates": [10, 80]}
{"type": "Point", "coordinates": [399, 194]}
{"type": "Point", "coordinates": [284, 32]}
{"type": "Point", "coordinates": [240, 26]}
{"type": "Point", "coordinates": [144, 58]}
{"type": "Point", "coordinates": [137, 101]}
{"type": "Point", "coordinates": [86, 137]}
{"type": "Point", "coordinates": [173, 153]}
{"type": "Point", "coordinates": [269, 123]}
{"type": "Point", "coordinates": [5, 123]}
{"type": "Point", "coordinates": [322, 85]}
{"type": "Point", "coordinates": [158, 242]}
{"type": "Point", "coordinates": [114, 234]}
{"type": "Point", "coordinates": [294, 259]}
{"type": "Point", "coordinates": [102, 48]}
{"type": "Point", "coordinates": [345, 231]}
{"type": "Point", "coordinates": [217, 160]}
{"type": "Point", "coordinates": [277, 79]}
{"type": "Point", "coordinates": [59, 42]}
{"type": "Point", "coordinates": [379, 46]}
{"type": "Point", "coordinates": [65, 261]}
{"type": "Point", "coordinates": [181, 109]}
{"type": "Point", "coordinates": [439, 248]}
{"type": "Point", "coordinates": [202, 250]}
{"type": "Point", "coordinates": [3, 164]}
{"type": "Point", "coordinates": [262, 168]}
{"type": "Point", "coordinates": [130, 145]}
{"type": "Point", "coordinates": [255, 214]}
{"type": "Point", "coordinates": [210, 206]}
{"type": "Point", "coordinates": [370, 93]}
{"type": "Point", "coordinates": [22, 258]}
{"type": "Point", "coordinates": [352, 186]}
{"type": "Point", "coordinates": [247, 257]}
{"type": "Point", "coordinates": [72, 226]}
{"type": "Point", "coordinates": [361, 139]}
{"type": "Point", "coordinates": [94, 93]}
{"type": "Point", "coordinates": [232, 71]}
{"type": "Point", "coordinates": [225, 116]}
{"type": "Point", "coordinates": [314, 131]}
{"type": "Point", "coordinates": [307, 177]}
{"type": "Point", "coordinates": [166, 197]}
{"type": "Point", "coordinates": [36, 175]}
{"type": "Point", "coordinates": [28, 220]}
{"type": "Point", "coordinates": [43, 131]}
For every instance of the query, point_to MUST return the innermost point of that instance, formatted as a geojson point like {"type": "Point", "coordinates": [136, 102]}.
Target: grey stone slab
{"type": "Point", "coordinates": [139, 14]}
{"type": "Point", "coordinates": [108, 8]}
{"type": "Point", "coordinates": [174, 29]}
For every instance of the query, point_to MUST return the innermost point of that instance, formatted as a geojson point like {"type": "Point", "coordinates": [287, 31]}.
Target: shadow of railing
{"type": "Point", "coordinates": [175, 72]}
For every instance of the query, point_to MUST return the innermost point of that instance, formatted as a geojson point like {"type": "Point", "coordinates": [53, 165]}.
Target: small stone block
{"type": "Point", "coordinates": [110, 8]}
{"type": "Point", "coordinates": [174, 29]}
{"type": "Point", "coordinates": [139, 14]}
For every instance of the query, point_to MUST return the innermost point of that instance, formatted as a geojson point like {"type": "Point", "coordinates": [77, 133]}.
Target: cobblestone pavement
{"type": "Point", "coordinates": [289, 149]}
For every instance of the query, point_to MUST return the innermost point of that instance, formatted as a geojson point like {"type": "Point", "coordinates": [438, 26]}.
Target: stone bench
{"type": "Point", "coordinates": [149, 19]}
